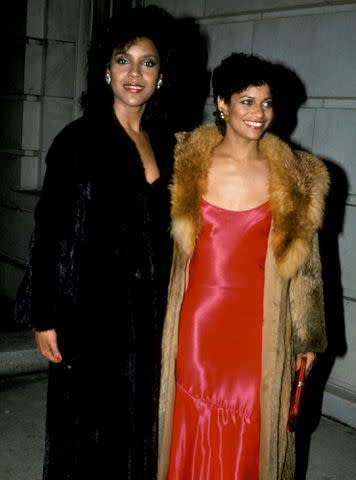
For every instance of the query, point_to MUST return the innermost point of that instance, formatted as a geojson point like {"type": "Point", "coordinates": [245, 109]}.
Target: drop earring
{"type": "Point", "coordinates": [159, 84]}
{"type": "Point", "coordinates": [225, 116]}
{"type": "Point", "coordinates": [108, 78]}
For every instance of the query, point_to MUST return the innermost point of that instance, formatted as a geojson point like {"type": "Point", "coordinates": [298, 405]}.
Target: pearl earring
{"type": "Point", "coordinates": [224, 116]}
{"type": "Point", "coordinates": [108, 78]}
{"type": "Point", "coordinates": [159, 84]}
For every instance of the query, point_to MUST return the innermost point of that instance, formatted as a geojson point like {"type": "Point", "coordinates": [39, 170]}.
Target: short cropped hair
{"type": "Point", "coordinates": [237, 72]}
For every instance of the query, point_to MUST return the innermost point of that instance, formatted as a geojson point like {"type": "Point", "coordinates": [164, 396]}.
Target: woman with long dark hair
{"type": "Point", "coordinates": [94, 291]}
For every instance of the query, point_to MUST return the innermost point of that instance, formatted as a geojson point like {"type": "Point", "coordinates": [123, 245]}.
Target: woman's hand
{"type": "Point", "coordinates": [47, 345]}
{"type": "Point", "coordinates": [310, 356]}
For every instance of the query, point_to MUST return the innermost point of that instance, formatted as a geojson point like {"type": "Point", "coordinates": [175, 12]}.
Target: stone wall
{"type": "Point", "coordinates": [45, 44]}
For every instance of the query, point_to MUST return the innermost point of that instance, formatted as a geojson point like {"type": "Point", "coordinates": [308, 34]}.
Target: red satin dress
{"type": "Point", "coordinates": [216, 425]}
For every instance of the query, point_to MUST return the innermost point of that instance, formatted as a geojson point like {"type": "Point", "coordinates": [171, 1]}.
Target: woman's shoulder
{"type": "Point", "coordinates": [70, 145]}
{"type": "Point", "coordinates": [194, 149]}
{"type": "Point", "coordinates": [73, 131]}
{"type": "Point", "coordinates": [273, 145]}
{"type": "Point", "coordinates": [312, 165]}
{"type": "Point", "coordinates": [298, 168]}
{"type": "Point", "coordinates": [202, 135]}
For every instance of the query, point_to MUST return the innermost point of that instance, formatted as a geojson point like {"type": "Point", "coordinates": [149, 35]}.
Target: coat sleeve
{"type": "Point", "coordinates": [38, 296]}
{"type": "Point", "coordinates": [307, 304]}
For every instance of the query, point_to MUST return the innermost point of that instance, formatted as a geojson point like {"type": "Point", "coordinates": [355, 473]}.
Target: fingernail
{"type": "Point", "coordinates": [58, 359]}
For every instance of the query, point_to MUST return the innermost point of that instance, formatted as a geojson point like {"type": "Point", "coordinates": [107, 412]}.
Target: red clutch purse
{"type": "Point", "coordinates": [297, 388]}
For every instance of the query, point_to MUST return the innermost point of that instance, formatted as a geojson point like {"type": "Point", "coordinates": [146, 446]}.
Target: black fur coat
{"type": "Point", "coordinates": [98, 274]}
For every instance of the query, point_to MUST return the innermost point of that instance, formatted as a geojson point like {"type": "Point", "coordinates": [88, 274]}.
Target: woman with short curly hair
{"type": "Point", "coordinates": [245, 299]}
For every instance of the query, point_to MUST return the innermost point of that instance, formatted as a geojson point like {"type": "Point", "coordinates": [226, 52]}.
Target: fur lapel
{"type": "Point", "coordinates": [298, 185]}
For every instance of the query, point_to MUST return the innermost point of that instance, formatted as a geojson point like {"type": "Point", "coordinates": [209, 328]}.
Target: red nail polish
{"type": "Point", "coordinates": [58, 359]}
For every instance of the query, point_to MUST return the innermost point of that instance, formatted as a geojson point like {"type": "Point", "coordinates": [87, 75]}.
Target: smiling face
{"type": "Point", "coordinates": [134, 73]}
{"type": "Point", "coordinates": [250, 112]}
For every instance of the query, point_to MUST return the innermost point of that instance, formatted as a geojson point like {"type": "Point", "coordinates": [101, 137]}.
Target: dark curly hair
{"type": "Point", "coordinates": [235, 73]}
{"type": "Point", "coordinates": [149, 22]}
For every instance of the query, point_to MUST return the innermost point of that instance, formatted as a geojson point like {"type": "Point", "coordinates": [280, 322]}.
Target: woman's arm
{"type": "Point", "coordinates": [307, 305]}
{"type": "Point", "coordinates": [38, 295]}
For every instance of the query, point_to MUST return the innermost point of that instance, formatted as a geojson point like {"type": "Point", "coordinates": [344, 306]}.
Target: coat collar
{"type": "Point", "coordinates": [298, 185]}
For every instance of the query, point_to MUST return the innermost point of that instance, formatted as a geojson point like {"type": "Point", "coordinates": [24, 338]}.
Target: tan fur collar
{"type": "Point", "coordinates": [298, 185]}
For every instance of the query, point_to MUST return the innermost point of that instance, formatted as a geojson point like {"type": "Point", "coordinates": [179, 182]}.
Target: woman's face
{"type": "Point", "coordinates": [134, 73]}
{"type": "Point", "coordinates": [250, 112]}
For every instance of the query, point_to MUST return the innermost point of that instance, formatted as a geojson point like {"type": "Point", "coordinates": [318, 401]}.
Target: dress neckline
{"type": "Point", "coordinates": [261, 206]}
{"type": "Point", "coordinates": [132, 142]}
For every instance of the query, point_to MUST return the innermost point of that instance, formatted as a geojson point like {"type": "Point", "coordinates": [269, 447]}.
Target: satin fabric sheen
{"type": "Point", "coordinates": [217, 408]}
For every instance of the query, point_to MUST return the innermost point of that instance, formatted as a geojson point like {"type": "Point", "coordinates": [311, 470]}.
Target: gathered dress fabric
{"type": "Point", "coordinates": [216, 423]}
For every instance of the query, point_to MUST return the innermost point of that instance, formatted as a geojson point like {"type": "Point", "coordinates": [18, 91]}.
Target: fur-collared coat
{"type": "Point", "coordinates": [98, 274]}
{"type": "Point", "coordinates": [293, 300]}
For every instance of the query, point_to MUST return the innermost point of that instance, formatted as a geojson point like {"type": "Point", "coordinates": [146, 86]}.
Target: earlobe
{"type": "Point", "coordinates": [220, 104]}
{"type": "Point", "coordinates": [223, 109]}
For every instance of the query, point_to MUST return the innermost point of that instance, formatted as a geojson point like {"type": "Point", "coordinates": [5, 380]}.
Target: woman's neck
{"type": "Point", "coordinates": [129, 118]}
{"type": "Point", "coordinates": [240, 149]}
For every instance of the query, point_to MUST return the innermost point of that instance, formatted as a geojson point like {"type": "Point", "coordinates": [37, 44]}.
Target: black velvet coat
{"type": "Point", "coordinates": [98, 274]}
